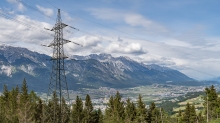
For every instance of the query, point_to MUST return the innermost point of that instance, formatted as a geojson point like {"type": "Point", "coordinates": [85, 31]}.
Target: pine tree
{"type": "Point", "coordinates": [212, 98]}
{"type": "Point", "coordinates": [65, 111]}
{"type": "Point", "coordinates": [119, 107]}
{"type": "Point", "coordinates": [88, 110]}
{"type": "Point", "coordinates": [109, 111]}
{"type": "Point", "coordinates": [24, 92]}
{"type": "Point", "coordinates": [141, 111]}
{"type": "Point", "coordinates": [115, 109]}
{"type": "Point", "coordinates": [26, 113]}
{"type": "Point", "coordinates": [38, 114]}
{"type": "Point", "coordinates": [52, 110]}
{"type": "Point", "coordinates": [14, 105]}
{"type": "Point", "coordinates": [77, 111]}
{"type": "Point", "coordinates": [153, 113]}
{"type": "Point", "coordinates": [26, 109]}
{"type": "Point", "coordinates": [130, 111]}
{"type": "Point", "coordinates": [5, 94]}
{"type": "Point", "coordinates": [100, 116]}
{"type": "Point", "coordinates": [193, 116]}
{"type": "Point", "coordinates": [186, 115]}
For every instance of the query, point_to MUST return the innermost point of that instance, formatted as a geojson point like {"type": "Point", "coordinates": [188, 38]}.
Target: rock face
{"type": "Point", "coordinates": [90, 71]}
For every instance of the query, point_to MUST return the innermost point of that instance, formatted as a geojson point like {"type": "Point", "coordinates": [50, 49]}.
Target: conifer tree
{"type": "Point", "coordinates": [13, 105]}
{"type": "Point", "coordinates": [193, 116]}
{"type": "Point", "coordinates": [109, 115]}
{"type": "Point", "coordinates": [119, 107]}
{"type": "Point", "coordinates": [100, 116]}
{"type": "Point", "coordinates": [38, 114]}
{"type": "Point", "coordinates": [141, 111]}
{"type": "Point", "coordinates": [65, 111]}
{"type": "Point", "coordinates": [130, 111]}
{"type": "Point", "coordinates": [24, 92]}
{"type": "Point", "coordinates": [88, 108]}
{"type": "Point", "coordinates": [26, 109]}
{"type": "Point", "coordinates": [77, 111]}
{"type": "Point", "coordinates": [186, 115]}
{"type": "Point", "coordinates": [52, 111]}
{"type": "Point", "coordinates": [5, 94]}
{"type": "Point", "coordinates": [211, 97]}
{"type": "Point", "coordinates": [115, 109]}
{"type": "Point", "coordinates": [153, 114]}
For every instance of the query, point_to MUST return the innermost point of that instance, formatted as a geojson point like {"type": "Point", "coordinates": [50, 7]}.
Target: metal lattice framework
{"type": "Point", "coordinates": [58, 85]}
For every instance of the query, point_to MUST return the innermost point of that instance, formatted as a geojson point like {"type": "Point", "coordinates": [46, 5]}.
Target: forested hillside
{"type": "Point", "coordinates": [18, 105]}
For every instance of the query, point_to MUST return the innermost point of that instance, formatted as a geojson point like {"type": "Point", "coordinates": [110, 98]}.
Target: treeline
{"type": "Point", "coordinates": [19, 106]}
{"type": "Point", "coordinates": [210, 112]}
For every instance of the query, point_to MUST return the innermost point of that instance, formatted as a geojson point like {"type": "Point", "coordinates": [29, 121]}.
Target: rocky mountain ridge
{"type": "Point", "coordinates": [92, 71]}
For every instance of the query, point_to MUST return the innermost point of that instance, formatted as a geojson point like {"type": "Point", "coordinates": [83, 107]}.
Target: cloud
{"type": "Point", "coordinates": [46, 11]}
{"type": "Point", "coordinates": [20, 35]}
{"type": "Point", "coordinates": [131, 48]}
{"type": "Point", "coordinates": [130, 18]}
{"type": "Point", "coordinates": [68, 18]}
{"type": "Point", "coordinates": [20, 6]}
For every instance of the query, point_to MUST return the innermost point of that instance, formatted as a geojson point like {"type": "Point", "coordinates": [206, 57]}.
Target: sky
{"type": "Point", "coordinates": [181, 34]}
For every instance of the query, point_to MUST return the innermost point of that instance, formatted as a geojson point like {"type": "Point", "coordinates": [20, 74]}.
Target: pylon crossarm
{"type": "Point", "coordinates": [58, 26]}
{"type": "Point", "coordinates": [59, 57]}
{"type": "Point", "coordinates": [72, 42]}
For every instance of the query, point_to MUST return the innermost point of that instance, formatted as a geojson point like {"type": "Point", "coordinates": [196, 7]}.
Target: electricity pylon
{"type": "Point", "coordinates": [58, 86]}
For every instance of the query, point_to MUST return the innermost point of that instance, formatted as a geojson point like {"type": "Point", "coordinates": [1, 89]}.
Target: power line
{"type": "Point", "coordinates": [51, 4]}
{"type": "Point", "coordinates": [22, 23]}
{"type": "Point", "coordinates": [35, 9]}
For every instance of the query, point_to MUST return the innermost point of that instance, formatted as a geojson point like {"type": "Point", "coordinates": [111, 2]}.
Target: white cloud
{"type": "Point", "coordinates": [20, 35]}
{"type": "Point", "coordinates": [130, 18]}
{"type": "Point", "coordinates": [46, 11]}
{"type": "Point", "coordinates": [131, 48]}
{"type": "Point", "coordinates": [19, 5]}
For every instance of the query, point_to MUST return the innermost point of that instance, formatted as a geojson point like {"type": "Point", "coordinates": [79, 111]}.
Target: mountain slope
{"type": "Point", "coordinates": [90, 71]}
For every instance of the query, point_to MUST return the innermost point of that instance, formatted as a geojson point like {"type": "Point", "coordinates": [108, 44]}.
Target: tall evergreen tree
{"type": "Point", "coordinates": [119, 107]}
{"type": "Point", "coordinates": [130, 111]}
{"type": "Point", "coordinates": [141, 111]}
{"type": "Point", "coordinates": [109, 115]}
{"type": "Point", "coordinates": [26, 109]}
{"type": "Point", "coordinates": [88, 108]}
{"type": "Point", "coordinates": [14, 105]}
{"type": "Point", "coordinates": [193, 116]}
{"type": "Point", "coordinates": [38, 114]}
{"type": "Point", "coordinates": [100, 116]}
{"type": "Point", "coordinates": [189, 115]}
{"type": "Point", "coordinates": [65, 112]}
{"type": "Point", "coordinates": [153, 114]}
{"type": "Point", "coordinates": [186, 115]}
{"type": "Point", "coordinates": [115, 109]}
{"type": "Point", "coordinates": [77, 111]}
{"type": "Point", "coordinates": [24, 92]}
{"type": "Point", "coordinates": [211, 99]}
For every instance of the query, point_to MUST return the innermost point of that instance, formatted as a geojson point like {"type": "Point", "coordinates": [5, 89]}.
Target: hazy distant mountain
{"type": "Point", "coordinates": [90, 71]}
{"type": "Point", "coordinates": [215, 79]}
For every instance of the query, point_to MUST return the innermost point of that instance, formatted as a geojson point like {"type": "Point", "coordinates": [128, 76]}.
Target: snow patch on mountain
{"type": "Point", "coordinates": [6, 70]}
{"type": "Point", "coordinates": [28, 69]}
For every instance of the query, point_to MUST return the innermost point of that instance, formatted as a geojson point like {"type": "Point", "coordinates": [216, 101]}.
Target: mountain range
{"type": "Point", "coordinates": [92, 71]}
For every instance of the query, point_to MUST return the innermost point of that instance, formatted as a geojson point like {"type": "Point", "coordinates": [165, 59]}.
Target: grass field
{"type": "Point", "coordinates": [198, 102]}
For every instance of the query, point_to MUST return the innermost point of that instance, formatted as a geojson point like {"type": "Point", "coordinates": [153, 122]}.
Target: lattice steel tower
{"type": "Point", "coordinates": [58, 85]}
